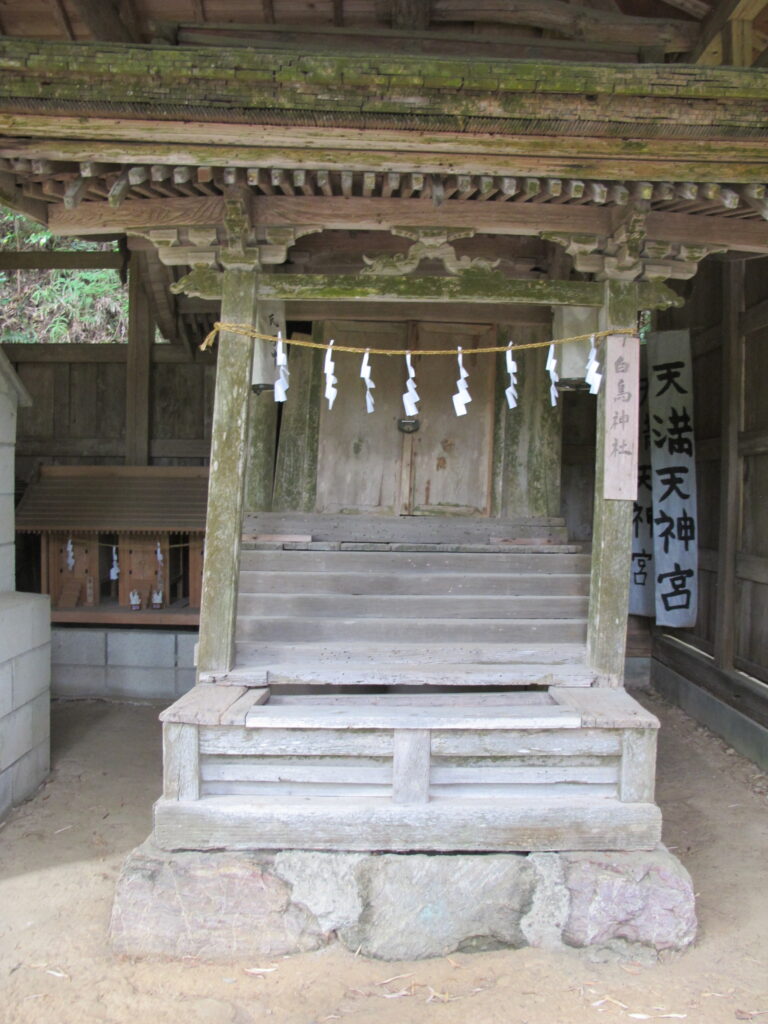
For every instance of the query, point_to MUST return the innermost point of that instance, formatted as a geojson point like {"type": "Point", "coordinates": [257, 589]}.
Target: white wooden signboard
{"type": "Point", "coordinates": [622, 383]}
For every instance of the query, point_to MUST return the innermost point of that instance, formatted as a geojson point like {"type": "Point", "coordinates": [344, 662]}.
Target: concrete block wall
{"type": "Point", "coordinates": [25, 672]}
{"type": "Point", "coordinates": [122, 664]}
{"type": "Point", "coordinates": [25, 635]}
{"type": "Point", "coordinates": [8, 404]}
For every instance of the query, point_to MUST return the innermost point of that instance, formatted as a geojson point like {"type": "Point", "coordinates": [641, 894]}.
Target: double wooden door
{"type": "Point", "coordinates": [379, 462]}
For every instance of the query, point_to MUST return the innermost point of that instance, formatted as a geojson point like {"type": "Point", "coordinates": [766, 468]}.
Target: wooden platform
{"type": "Point", "coordinates": [536, 770]}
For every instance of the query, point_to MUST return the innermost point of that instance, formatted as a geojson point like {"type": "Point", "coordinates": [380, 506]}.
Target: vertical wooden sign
{"type": "Point", "coordinates": [673, 466]}
{"type": "Point", "coordinates": [621, 410]}
{"type": "Point", "coordinates": [642, 580]}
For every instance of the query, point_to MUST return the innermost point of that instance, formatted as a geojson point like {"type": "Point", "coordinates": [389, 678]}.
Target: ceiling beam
{"type": "Point", "coordinates": [103, 21]}
{"type": "Point", "coordinates": [12, 197]}
{"type": "Point", "coordinates": [383, 214]}
{"type": "Point", "coordinates": [673, 34]}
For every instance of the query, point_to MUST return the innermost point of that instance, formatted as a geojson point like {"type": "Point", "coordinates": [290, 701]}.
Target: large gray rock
{"type": "Point", "coordinates": [644, 897]}
{"type": "Point", "coordinates": [215, 906]}
{"type": "Point", "coordinates": [421, 905]}
{"type": "Point", "coordinates": [221, 906]}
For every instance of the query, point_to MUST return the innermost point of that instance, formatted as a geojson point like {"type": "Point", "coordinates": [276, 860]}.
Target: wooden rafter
{"type": "Point", "coordinates": [62, 17]}
{"type": "Point", "coordinates": [718, 36]}
{"type": "Point", "coordinates": [697, 8]}
{"type": "Point", "coordinates": [103, 21]}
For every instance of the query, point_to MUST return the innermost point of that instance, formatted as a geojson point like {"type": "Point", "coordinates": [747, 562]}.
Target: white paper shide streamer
{"type": "Point", "coordinates": [281, 362]}
{"type": "Point", "coordinates": [411, 395]}
{"type": "Point", "coordinates": [365, 375]}
{"type": "Point", "coordinates": [593, 377]}
{"type": "Point", "coordinates": [70, 555]}
{"type": "Point", "coordinates": [330, 380]}
{"type": "Point", "coordinates": [553, 377]}
{"type": "Point", "coordinates": [114, 572]}
{"type": "Point", "coordinates": [462, 398]}
{"type": "Point", "coordinates": [511, 391]}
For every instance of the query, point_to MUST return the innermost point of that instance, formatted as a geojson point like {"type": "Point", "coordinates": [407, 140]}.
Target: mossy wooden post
{"type": "Point", "coordinates": [227, 475]}
{"type": "Point", "coordinates": [528, 439]}
{"type": "Point", "coordinates": [262, 424]}
{"type": "Point", "coordinates": [612, 531]}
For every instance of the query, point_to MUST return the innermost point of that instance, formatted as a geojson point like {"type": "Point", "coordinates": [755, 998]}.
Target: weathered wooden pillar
{"type": "Point", "coordinates": [612, 533]}
{"type": "Point", "coordinates": [141, 329]}
{"type": "Point", "coordinates": [262, 417]}
{"type": "Point", "coordinates": [528, 440]}
{"type": "Point", "coordinates": [227, 474]}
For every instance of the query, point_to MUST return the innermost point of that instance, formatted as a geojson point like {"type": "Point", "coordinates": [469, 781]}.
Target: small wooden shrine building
{"type": "Point", "coordinates": [413, 621]}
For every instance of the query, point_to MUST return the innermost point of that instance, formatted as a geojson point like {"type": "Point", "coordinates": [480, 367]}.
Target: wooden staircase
{"type": "Point", "coordinates": [409, 695]}
{"type": "Point", "coordinates": [347, 617]}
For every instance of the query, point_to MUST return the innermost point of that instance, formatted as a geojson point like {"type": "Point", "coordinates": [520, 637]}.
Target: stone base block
{"type": "Point", "coordinates": [223, 906]}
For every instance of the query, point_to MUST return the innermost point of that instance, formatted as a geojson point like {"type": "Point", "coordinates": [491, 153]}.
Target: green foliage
{"type": "Point", "coordinates": [58, 306]}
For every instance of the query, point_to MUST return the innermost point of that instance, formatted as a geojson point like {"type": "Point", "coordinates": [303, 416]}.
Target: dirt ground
{"type": "Point", "coordinates": [61, 852]}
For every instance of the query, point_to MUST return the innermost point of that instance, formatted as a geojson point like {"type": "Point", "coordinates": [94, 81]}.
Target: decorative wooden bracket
{"type": "Point", "coordinates": [628, 255]}
{"type": "Point", "coordinates": [226, 245]}
{"type": "Point", "coordinates": [429, 244]}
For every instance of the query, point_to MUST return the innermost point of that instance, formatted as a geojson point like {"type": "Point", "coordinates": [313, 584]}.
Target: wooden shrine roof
{"type": "Point", "coordinates": [115, 499]}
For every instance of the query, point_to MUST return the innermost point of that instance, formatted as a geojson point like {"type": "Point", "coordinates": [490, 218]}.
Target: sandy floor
{"type": "Point", "coordinates": [60, 855]}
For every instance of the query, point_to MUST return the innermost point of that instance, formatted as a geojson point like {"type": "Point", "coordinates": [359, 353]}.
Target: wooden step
{"type": "Point", "coordinates": [275, 629]}
{"type": "Point", "coordinates": [413, 582]}
{"type": "Point", "coordinates": [374, 823]}
{"type": "Point", "coordinates": [400, 561]}
{"type": "Point", "coordinates": [437, 715]}
{"type": "Point", "coordinates": [410, 606]}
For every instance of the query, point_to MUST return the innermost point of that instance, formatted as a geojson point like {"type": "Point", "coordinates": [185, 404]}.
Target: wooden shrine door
{"type": "Point", "coordinates": [367, 464]}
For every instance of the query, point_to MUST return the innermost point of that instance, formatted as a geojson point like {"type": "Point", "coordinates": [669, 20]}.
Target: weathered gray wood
{"type": "Point", "coordinates": [140, 339]}
{"type": "Point", "coordinates": [612, 535]}
{"type": "Point", "coordinates": [638, 766]}
{"type": "Point", "coordinates": [203, 704]}
{"type": "Point", "coordinates": [552, 824]}
{"type": "Point", "coordinates": [382, 717]}
{"type": "Point", "coordinates": [289, 630]}
{"type": "Point", "coordinates": [731, 474]}
{"type": "Point", "coordinates": [181, 762]}
{"type": "Point", "coordinates": [430, 700]}
{"type": "Point", "coordinates": [225, 490]}
{"type": "Point", "coordinates": [530, 775]}
{"type": "Point", "coordinates": [353, 772]}
{"type": "Point", "coordinates": [296, 466]}
{"type": "Point", "coordinates": [236, 712]}
{"type": "Point", "coordinates": [506, 562]}
{"type": "Point", "coordinates": [605, 708]}
{"type": "Point", "coordinates": [527, 439]}
{"type": "Point", "coordinates": [444, 606]}
{"type": "Point", "coordinates": [411, 766]}
{"type": "Point", "coordinates": [404, 583]}
{"type": "Point", "coordinates": [584, 742]}
{"type": "Point", "coordinates": [428, 674]}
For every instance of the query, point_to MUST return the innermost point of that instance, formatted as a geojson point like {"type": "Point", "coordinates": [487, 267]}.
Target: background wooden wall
{"type": "Point", "coordinates": [726, 654]}
{"type": "Point", "coordinates": [81, 394]}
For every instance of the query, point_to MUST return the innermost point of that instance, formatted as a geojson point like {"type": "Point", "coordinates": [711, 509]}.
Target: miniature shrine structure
{"type": "Point", "coordinates": [413, 623]}
{"type": "Point", "coordinates": [119, 544]}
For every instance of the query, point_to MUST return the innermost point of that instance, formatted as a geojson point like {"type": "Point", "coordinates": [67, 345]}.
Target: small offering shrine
{"type": "Point", "coordinates": [119, 544]}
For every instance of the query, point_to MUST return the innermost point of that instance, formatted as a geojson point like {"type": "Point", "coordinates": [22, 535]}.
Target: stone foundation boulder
{"type": "Point", "coordinates": [222, 906]}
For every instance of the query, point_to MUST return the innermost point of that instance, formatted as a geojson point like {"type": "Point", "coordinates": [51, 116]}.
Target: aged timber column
{"type": "Point", "coordinates": [227, 474]}
{"type": "Point", "coordinates": [612, 523]}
